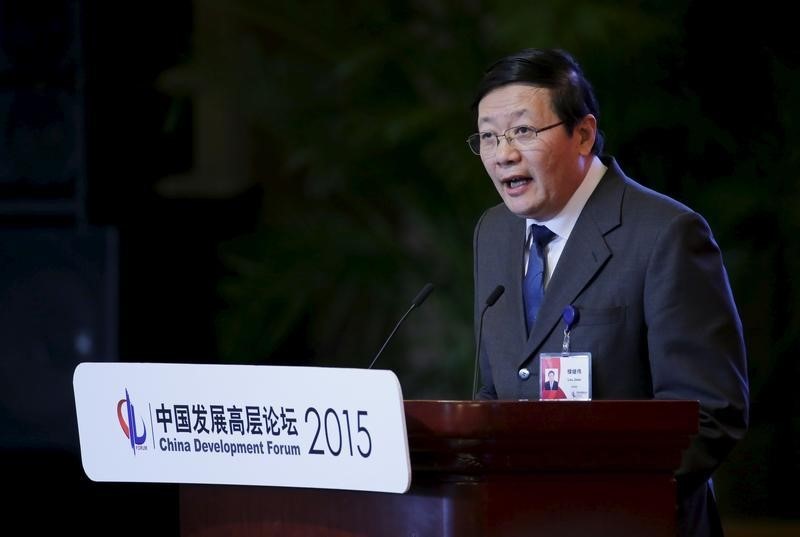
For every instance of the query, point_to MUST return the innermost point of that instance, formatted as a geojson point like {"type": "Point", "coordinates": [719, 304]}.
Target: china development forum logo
{"type": "Point", "coordinates": [129, 425]}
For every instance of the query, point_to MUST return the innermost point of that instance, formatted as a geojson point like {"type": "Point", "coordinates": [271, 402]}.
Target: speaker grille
{"type": "Point", "coordinates": [58, 307]}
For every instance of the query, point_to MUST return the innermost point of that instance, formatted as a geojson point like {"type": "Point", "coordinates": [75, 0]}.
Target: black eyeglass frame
{"type": "Point", "coordinates": [475, 138]}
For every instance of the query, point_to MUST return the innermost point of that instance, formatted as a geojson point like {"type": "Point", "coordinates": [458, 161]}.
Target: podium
{"type": "Point", "coordinates": [487, 468]}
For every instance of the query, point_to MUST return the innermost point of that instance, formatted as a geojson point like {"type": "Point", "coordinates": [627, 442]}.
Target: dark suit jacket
{"type": "Point", "coordinates": [547, 385]}
{"type": "Point", "coordinates": [656, 312]}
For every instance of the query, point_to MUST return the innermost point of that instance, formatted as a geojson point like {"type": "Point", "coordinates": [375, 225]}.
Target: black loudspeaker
{"type": "Point", "coordinates": [40, 152]}
{"type": "Point", "coordinates": [58, 307]}
{"type": "Point", "coordinates": [42, 109]}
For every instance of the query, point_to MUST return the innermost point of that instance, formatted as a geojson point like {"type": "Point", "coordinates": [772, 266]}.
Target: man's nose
{"type": "Point", "coordinates": [506, 151]}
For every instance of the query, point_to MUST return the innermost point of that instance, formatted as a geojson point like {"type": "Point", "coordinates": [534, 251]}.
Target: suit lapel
{"type": "Point", "coordinates": [584, 255]}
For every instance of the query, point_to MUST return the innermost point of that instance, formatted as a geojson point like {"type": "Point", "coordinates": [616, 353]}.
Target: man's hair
{"type": "Point", "coordinates": [555, 69]}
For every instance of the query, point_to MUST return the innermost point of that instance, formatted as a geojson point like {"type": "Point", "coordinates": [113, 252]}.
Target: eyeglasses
{"type": "Point", "coordinates": [485, 144]}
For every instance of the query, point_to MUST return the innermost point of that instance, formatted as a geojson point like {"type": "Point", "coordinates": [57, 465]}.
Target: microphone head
{"type": "Point", "coordinates": [422, 295]}
{"type": "Point", "coordinates": [418, 300]}
{"type": "Point", "coordinates": [490, 300]}
{"type": "Point", "coordinates": [494, 295]}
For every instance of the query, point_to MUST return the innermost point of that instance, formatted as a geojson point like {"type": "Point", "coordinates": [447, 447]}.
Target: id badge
{"type": "Point", "coordinates": [565, 376]}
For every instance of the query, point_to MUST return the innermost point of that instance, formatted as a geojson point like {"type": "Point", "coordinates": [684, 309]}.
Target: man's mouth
{"type": "Point", "coordinates": [515, 182]}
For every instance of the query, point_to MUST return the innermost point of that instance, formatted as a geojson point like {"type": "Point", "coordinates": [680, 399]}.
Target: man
{"type": "Point", "coordinates": [551, 383]}
{"type": "Point", "coordinates": [642, 271]}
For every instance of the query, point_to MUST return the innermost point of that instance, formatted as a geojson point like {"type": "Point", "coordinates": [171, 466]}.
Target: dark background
{"type": "Point", "coordinates": [251, 183]}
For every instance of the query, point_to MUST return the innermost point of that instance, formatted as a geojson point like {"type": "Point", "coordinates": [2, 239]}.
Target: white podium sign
{"type": "Point", "coordinates": [307, 427]}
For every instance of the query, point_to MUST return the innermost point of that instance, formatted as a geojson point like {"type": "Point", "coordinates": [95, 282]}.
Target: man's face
{"type": "Point", "coordinates": [535, 182]}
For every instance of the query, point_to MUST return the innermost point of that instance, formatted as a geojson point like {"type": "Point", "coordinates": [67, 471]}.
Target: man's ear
{"type": "Point", "coordinates": [586, 131]}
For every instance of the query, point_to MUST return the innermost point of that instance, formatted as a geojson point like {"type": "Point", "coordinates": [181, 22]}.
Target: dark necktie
{"type": "Point", "coordinates": [533, 284]}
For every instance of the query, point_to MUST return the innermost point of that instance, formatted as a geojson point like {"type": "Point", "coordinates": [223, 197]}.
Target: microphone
{"type": "Point", "coordinates": [490, 300]}
{"type": "Point", "coordinates": [418, 300]}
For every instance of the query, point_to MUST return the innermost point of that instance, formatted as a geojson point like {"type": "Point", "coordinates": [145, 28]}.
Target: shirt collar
{"type": "Point", "coordinates": [562, 223]}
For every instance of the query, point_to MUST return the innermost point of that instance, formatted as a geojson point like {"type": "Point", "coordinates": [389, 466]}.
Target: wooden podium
{"type": "Point", "coordinates": [487, 468]}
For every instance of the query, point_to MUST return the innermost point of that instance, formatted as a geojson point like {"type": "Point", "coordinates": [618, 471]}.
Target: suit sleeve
{"type": "Point", "coordinates": [486, 389]}
{"type": "Point", "coordinates": [695, 341]}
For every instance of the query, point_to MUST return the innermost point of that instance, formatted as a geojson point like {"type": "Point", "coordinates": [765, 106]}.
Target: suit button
{"type": "Point", "coordinates": [524, 373]}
